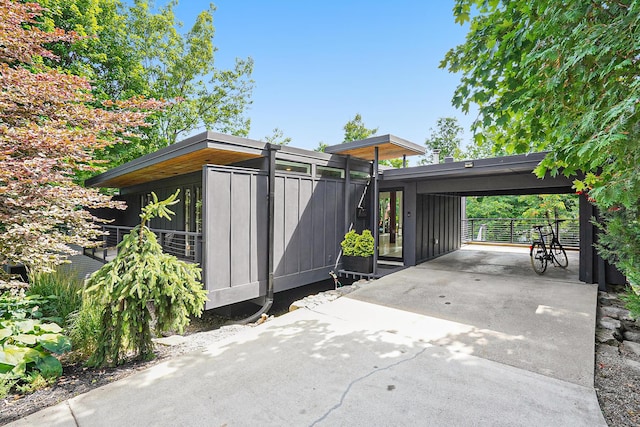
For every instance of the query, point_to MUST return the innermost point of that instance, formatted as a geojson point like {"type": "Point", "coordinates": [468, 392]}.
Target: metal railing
{"type": "Point", "coordinates": [182, 244]}
{"type": "Point", "coordinates": [517, 230]}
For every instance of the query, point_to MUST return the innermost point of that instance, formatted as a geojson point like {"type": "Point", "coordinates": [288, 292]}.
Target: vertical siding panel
{"type": "Point", "coordinates": [458, 220]}
{"type": "Point", "coordinates": [240, 229]}
{"type": "Point", "coordinates": [331, 220]}
{"type": "Point", "coordinates": [253, 228]}
{"type": "Point", "coordinates": [279, 228]}
{"type": "Point", "coordinates": [441, 221]}
{"type": "Point", "coordinates": [306, 225]}
{"type": "Point", "coordinates": [419, 227]}
{"type": "Point", "coordinates": [318, 223]}
{"type": "Point", "coordinates": [262, 226]}
{"type": "Point", "coordinates": [218, 233]}
{"type": "Point", "coordinates": [291, 215]}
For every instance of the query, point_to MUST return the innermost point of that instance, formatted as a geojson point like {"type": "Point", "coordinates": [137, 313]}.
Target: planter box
{"type": "Point", "coordinates": [357, 264]}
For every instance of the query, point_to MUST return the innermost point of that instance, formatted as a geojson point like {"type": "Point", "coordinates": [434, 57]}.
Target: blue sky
{"type": "Point", "coordinates": [317, 64]}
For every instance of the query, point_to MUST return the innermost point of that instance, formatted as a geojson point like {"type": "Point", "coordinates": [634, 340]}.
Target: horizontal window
{"type": "Point", "coordinates": [329, 172]}
{"type": "Point", "coordinates": [359, 175]}
{"type": "Point", "coordinates": [287, 166]}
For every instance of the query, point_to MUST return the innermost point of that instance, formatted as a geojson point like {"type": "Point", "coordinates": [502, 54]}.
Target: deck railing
{"type": "Point", "coordinates": [516, 230]}
{"type": "Point", "coordinates": [182, 244]}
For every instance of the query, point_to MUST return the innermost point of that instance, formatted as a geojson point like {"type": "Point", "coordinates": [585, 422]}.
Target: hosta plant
{"type": "Point", "coordinates": [28, 342]}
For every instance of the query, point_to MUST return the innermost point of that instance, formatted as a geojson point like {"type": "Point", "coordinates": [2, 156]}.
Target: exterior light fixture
{"type": "Point", "coordinates": [468, 164]}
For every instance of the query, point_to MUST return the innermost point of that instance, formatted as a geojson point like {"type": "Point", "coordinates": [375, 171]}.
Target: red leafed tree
{"type": "Point", "coordinates": [49, 128]}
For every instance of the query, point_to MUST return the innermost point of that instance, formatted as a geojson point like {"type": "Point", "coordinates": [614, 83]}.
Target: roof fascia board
{"type": "Point", "coordinates": [506, 164]}
{"type": "Point", "coordinates": [376, 140]}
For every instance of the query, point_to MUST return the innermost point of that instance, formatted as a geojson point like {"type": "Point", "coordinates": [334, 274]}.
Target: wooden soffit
{"type": "Point", "coordinates": [187, 163]}
{"type": "Point", "coordinates": [389, 147]}
{"type": "Point", "coordinates": [182, 158]}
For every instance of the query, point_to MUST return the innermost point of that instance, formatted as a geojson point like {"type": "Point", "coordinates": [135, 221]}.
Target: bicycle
{"type": "Point", "coordinates": [541, 254]}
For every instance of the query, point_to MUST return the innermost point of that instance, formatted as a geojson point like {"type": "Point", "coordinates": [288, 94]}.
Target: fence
{"type": "Point", "coordinates": [517, 230]}
{"type": "Point", "coordinates": [182, 244]}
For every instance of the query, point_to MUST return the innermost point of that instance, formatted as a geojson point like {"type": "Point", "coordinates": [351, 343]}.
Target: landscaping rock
{"type": "Point", "coordinates": [609, 323]}
{"type": "Point", "coordinates": [615, 312]}
{"type": "Point", "coordinates": [173, 340]}
{"type": "Point", "coordinates": [634, 347]}
{"type": "Point", "coordinates": [632, 336]}
{"type": "Point", "coordinates": [606, 336]}
{"type": "Point", "coordinates": [323, 297]}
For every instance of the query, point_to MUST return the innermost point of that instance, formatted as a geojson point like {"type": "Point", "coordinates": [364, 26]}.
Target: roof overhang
{"type": "Point", "coordinates": [389, 147]}
{"type": "Point", "coordinates": [508, 175]}
{"type": "Point", "coordinates": [181, 158]}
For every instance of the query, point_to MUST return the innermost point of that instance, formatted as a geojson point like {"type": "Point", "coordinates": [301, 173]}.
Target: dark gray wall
{"type": "Point", "coordinates": [309, 226]}
{"type": "Point", "coordinates": [437, 225]}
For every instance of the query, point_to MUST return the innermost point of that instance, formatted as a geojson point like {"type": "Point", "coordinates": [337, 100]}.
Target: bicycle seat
{"type": "Point", "coordinates": [539, 226]}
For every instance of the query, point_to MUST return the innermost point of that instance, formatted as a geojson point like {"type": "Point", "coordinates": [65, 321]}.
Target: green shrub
{"type": "Point", "coordinates": [365, 244]}
{"type": "Point", "coordinates": [62, 289]}
{"type": "Point", "coordinates": [632, 300]}
{"type": "Point", "coordinates": [619, 243]}
{"type": "Point", "coordinates": [355, 244]}
{"type": "Point", "coordinates": [349, 243]}
{"type": "Point", "coordinates": [142, 279]}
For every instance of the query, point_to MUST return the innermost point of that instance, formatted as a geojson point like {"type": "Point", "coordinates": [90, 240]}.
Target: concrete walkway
{"type": "Point", "coordinates": [424, 346]}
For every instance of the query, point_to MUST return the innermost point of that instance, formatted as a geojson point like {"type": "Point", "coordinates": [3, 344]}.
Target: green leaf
{"type": "Point", "coordinates": [4, 333]}
{"type": "Point", "coordinates": [25, 339]}
{"type": "Point", "coordinates": [49, 366]}
{"type": "Point", "coordinates": [50, 327]}
{"type": "Point", "coordinates": [14, 355]}
{"type": "Point", "coordinates": [55, 343]}
{"type": "Point", "coordinates": [27, 325]}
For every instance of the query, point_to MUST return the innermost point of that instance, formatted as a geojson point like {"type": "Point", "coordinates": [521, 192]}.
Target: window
{"type": "Point", "coordinates": [198, 209]}
{"type": "Point", "coordinates": [329, 172]}
{"type": "Point", "coordinates": [359, 175]}
{"type": "Point", "coordinates": [287, 166]}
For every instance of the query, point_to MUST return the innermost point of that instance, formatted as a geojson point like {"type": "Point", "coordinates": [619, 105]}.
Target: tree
{"type": "Point", "coordinates": [139, 277]}
{"type": "Point", "coordinates": [563, 77]}
{"type": "Point", "coordinates": [321, 147]}
{"type": "Point", "coordinates": [132, 50]}
{"type": "Point", "coordinates": [446, 137]}
{"type": "Point", "coordinates": [50, 124]}
{"type": "Point", "coordinates": [277, 137]}
{"type": "Point", "coordinates": [355, 130]}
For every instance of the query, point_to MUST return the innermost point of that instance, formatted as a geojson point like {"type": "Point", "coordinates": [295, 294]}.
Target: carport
{"type": "Point", "coordinates": [432, 204]}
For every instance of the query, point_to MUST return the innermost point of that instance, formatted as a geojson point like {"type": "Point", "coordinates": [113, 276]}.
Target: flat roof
{"type": "Point", "coordinates": [180, 158]}
{"type": "Point", "coordinates": [389, 147]}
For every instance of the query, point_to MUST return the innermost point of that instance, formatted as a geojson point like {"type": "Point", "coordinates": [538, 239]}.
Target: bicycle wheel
{"type": "Point", "coordinates": [559, 255]}
{"type": "Point", "coordinates": [538, 258]}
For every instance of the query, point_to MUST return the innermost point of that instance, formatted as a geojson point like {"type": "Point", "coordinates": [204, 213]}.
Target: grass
{"type": "Point", "coordinates": [65, 289]}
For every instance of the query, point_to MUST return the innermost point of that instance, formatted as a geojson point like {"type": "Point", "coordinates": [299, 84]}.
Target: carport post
{"type": "Point", "coordinates": [347, 194]}
{"type": "Point", "coordinates": [375, 208]}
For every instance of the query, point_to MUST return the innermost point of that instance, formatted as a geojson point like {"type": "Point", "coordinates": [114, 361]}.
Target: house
{"type": "Point", "coordinates": [263, 218]}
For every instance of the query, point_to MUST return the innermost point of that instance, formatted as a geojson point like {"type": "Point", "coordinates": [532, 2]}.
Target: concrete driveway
{"type": "Point", "coordinates": [424, 346]}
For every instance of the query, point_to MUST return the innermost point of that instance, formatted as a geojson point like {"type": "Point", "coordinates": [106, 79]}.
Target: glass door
{"type": "Point", "coordinates": [390, 225]}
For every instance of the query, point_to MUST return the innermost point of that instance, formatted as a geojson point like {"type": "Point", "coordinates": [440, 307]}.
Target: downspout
{"type": "Point", "coordinates": [271, 210]}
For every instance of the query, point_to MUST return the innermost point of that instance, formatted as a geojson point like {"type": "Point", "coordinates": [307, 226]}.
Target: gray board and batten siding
{"type": "Point", "coordinates": [437, 225]}
{"type": "Point", "coordinates": [309, 226]}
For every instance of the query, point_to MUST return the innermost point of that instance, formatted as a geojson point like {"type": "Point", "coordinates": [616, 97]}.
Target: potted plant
{"type": "Point", "coordinates": [357, 251]}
